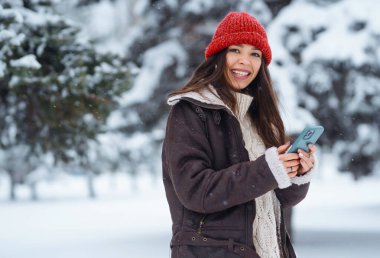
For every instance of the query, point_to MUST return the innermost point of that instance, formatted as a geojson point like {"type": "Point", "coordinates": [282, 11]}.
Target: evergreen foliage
{"type": "Point", "coordinates": [177, 33]}
{"type": "Point", "coordinates": [335, 69]}
{"type": "Point", "coordinates": [339, 91]}
{"type": "Point", "coordinates": [56, 91]}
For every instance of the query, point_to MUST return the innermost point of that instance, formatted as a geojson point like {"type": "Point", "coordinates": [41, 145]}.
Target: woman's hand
{"type": "Point", "coordinates": [306, 159]}
{"type": "Point", "coordinates": [291, 161]}
{"type": "Point", "coordinates": [297, 163]}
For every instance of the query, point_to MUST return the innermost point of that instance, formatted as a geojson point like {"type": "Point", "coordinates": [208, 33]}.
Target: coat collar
{"type": "Point", "coordinates": [210, 98]}
{"type": "Point", "coordinates": [207, 95]}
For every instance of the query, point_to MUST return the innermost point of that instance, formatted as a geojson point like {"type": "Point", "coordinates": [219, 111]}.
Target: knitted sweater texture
{"type": "Point", "coordinates": [266, 225]}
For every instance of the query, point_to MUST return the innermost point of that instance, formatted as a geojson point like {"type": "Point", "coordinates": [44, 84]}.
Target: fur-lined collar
{"type": "Point", "coordinates": [210, 97]}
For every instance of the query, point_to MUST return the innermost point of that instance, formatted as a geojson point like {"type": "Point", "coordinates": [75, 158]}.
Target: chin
{"type": "Point", "coordinates": [240, 87]}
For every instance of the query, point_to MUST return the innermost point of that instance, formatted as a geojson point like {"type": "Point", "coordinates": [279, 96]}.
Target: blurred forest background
{"type": "Point", "coordinates": [83, 88]}
{"type": "Point", "coordinates": [83, 83]}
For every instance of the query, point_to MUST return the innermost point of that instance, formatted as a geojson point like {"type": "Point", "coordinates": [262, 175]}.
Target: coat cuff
{"type": "Point", "coordinates": [303, 179]}
{"type": "Point", "coordinates": [277, 168]}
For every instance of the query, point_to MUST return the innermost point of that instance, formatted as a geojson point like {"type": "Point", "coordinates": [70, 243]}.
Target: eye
{"type": "Point", "coordinates": [233, 50]}
{"type": "Point", "coordinates": [256, 54]}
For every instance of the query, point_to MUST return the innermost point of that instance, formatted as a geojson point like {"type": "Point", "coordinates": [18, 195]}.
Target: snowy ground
{"type": "Point", "coordinates": [339, 219]}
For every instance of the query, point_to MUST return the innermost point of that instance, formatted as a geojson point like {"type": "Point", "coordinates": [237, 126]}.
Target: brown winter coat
{"type": "Point", "coordinates": [211, 185]}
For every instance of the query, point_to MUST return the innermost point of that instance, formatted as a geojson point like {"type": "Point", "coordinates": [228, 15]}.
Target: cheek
{"type": "Point", "coordinates": [229, 61]}
{"type": "Point", "coordinates": [256, 69]}
{"type": "Point", "coordinates": [256, 66]}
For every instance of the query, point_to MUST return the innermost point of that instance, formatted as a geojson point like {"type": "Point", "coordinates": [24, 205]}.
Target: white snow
{"type": "Point", "coordinates": [336, 202]}
{"type": "Point", "coordinates": [101, 22]}
{"type": "Point", "coordinates": [3, 67]}
{"type": "Point", "coordinates": [131, 219]}
{"type": "Point", "coordinates": [155, 61]}
{"type": "Point", "coordinates": [28, 61]}
{"type": "Point", "coordinates": [198, 6]}
{"type": "Point", "coordinates": [336, 41]}
{"type": "Point", "coordinates": [36, 19]}
{"type": "Point", "coordinates": [117, 119]}
{"type": "Point", "coordinates": [105, 68]}
{"type": "Point", "coordinates": [256, 8]}
{"type": "Point", "coordinates": [365, 92]}
{"type": "Point", "coordinates": [294, 117]}
{"type": "Point", "coordinates": [140, 6]}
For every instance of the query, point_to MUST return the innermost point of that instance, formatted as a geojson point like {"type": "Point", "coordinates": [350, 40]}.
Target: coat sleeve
{"type": "Point", "coordinates": [297, 191]}
{"type": "Point", "coordinates": [292, 195]}
{"type": "Point", "coordinates": [188, 160]}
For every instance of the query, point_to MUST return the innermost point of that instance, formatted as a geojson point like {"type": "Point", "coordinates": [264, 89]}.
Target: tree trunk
{"type": "Point", "coordinates": [90, 184]}
{"type": "Point", "coordinates": [33, 191]}
{"type": "Point", "coordinates": [12, 189]}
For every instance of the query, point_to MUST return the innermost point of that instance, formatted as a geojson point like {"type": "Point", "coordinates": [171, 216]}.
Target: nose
{"type": "Point", "coordinates": [244, 59]}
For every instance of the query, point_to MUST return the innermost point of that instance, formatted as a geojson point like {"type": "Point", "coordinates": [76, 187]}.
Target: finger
{"type": "Point", "coordinates": [312, 148]}
{"type": "Point", "coordinates": [292, 174]}
{"type": "Point", "coordinates": [281, 149]}
{"type": "Point", "coordinates": [291, 163]}
{"type": "Point", "coordinates": [292, 169]}
{"type": "Point", "coordinates": [309, 160]}
{"type": "Point", "coordinates": [306, 166]}
{"type": "Point", "coordinates": [288, 156]}
{"type": "Point", "coordinates": [305, 160]}
{"type": "Point", "coordinates": [306, 156]}
{"type": "Point", "coordinates": [302, 153]}
{"type": "Point", "coordinates": [302, 171]}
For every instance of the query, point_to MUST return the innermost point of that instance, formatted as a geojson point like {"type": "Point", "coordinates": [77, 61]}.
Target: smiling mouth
{"type": "Point", "coordinates": [240, 74]}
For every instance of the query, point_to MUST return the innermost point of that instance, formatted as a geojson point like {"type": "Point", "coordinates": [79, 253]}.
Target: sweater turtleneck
{"type": "Point", "coordinates": [266, 225]}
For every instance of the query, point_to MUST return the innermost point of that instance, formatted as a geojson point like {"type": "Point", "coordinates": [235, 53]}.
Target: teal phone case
{"type": "Point", "coordinates": [309, 135]}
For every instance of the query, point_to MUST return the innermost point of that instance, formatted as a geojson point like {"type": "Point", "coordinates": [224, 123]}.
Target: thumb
{"type": "Point", "coordinates": [281, 149]}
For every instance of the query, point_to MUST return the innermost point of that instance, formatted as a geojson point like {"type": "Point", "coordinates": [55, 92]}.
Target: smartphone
{"type": "Point", "coordinates": [309, 135]}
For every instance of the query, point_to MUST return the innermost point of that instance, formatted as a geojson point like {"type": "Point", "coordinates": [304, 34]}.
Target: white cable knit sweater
{"type": "Point", "coordinates": [266, 225]}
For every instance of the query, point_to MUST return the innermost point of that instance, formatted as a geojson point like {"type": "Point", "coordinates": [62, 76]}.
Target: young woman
{"type": "Point", "coordinates": [226, 172]}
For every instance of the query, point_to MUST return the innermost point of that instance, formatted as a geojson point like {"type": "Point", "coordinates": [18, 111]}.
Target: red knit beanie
{"type": "Point", "coordinates": [239, 28]}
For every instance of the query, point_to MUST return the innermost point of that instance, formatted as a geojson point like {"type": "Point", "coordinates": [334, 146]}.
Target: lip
{"type": "Point", "coordinates": [240, 74]}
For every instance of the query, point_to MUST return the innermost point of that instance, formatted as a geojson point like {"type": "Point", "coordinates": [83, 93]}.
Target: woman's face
{"type": "Point", "coordinates": [242, 65]}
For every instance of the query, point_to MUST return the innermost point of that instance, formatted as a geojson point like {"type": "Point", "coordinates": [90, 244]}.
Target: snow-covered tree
{"type": "Point", "coordinates": [165, 40]}
{"type": "Point", "coordinates": [332, 59]}
{"type": "Point", "coordinates": [56, 91]}
{"type": "Point", "coordinates": [325, 65]}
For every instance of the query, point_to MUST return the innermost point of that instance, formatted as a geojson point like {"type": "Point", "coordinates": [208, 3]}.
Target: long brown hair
{"type": "Point", "coordinates": [264, 109]}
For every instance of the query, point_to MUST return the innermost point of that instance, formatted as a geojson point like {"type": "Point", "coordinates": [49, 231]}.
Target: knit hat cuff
{"type": "Point", "coordinates": [250, 38]}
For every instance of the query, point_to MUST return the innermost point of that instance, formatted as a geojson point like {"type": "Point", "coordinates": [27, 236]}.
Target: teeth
{"type": "Point", "coordinates": [240, 73]}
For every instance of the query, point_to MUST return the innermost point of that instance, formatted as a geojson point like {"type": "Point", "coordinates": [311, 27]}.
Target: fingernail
{"type": "Point", "coordinates": [300, 154]}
